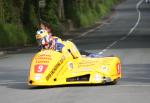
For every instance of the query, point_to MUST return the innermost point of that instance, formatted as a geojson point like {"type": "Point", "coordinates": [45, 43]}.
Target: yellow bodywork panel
{"type": "Point", "coordinates": [49, 67]}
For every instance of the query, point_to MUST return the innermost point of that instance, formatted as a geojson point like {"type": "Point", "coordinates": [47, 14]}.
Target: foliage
{"type": "Point", "coordinates": [12, 35]}
{"type": "Point", "coordinates": [86, 12]}
{"type": "Point", "coordinates": [19, 18]}
{"type": "Point", "coordinates": [49, 14]}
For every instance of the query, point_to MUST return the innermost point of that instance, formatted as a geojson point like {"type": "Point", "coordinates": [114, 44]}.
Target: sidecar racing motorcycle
{"type": "Point", "coordinates": [51, 67]}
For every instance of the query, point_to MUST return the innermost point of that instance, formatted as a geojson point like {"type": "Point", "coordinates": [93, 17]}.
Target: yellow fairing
{"type": "Point", "coordinates": [50, 68]}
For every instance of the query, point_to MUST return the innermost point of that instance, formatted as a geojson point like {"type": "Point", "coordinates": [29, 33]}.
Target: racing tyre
{"type": "Point", "coordinates": [114, 82]}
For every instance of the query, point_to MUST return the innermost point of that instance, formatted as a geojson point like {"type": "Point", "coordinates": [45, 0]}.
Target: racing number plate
{"type": "Point", "coordinates": [118, 66]}
{"type": "Point", "coordinates": [40, 68]}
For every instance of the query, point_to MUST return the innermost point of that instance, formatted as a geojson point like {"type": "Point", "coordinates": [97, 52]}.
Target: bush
{"type": "Point", "coordinates": [12, 36]}
{"type": "Point", "coordinates": [86, 12]}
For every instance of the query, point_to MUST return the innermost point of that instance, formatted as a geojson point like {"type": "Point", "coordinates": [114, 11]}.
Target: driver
{"type": "Point", "coordinates": [46, 41]}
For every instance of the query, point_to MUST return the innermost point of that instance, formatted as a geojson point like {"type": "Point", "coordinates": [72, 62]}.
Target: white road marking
{"type": "Point", "coordinates": [2, 72]}
{"type": "Point", "coordinates": [131, 30]}
{"type": "Point", "coordinates": [6, 82]}
{"type": "Point", "coordinates": [133, 85]}
{"type": "Point", "coordinates": [91, 30]}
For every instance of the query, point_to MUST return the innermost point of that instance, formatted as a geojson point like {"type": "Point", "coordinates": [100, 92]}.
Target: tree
{"type": "Point", "coordinates": [61, 9]}
{"type": "Point", "coordinates": [1, 11]}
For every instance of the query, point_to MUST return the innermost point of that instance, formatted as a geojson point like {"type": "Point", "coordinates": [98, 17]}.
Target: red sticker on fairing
{"type": "Point", "coordinates": [40, 68]}
{"type": "Point", "coordinates": [118, 67]}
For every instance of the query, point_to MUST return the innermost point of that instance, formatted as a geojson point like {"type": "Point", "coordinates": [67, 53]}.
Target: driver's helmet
{"type": "Point", "coordinates": [42, 37]}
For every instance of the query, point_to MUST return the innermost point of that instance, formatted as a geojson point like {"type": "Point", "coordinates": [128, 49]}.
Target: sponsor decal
{"type": "Point", "coordinates": [55, 68]}
{"type": "Point", "coordinates": [43, 59]}
{"type": "Point", "coordinates": [70, 65]}
{"type": "Point", "coordinates": [46, 58]}
{"type": "Point", "coordinates": [46, 52]}
{"type": "Point", "coordinates": [87, 63]}
{"type": "Point", "coordinates": [97, 77]}
{"type": "Point", "coordinates": [37, 76]}
{"type": "Point", "coordinates": [104, 68]}
{"type": "Point", "coordinates": [86, 69]}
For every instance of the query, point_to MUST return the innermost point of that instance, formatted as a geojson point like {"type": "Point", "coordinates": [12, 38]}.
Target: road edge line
{"type": "Point", "coordinates": [131, 30]}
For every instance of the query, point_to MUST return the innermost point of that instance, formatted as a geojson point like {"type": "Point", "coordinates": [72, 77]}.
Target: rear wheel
{"type": "Point", "coordinates": [114, 82]}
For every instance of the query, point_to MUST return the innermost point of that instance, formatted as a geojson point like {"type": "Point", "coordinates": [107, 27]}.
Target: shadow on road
{"type": "Point", "coordinates": [24, 86]}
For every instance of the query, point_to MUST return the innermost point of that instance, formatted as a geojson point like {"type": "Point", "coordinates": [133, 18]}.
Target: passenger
{"type": "Point", "coordinates": [45, 42]}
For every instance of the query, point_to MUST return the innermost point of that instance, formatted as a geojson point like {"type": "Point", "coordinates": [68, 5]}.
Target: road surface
{"type": "Point", "coordinates": [127, 35]}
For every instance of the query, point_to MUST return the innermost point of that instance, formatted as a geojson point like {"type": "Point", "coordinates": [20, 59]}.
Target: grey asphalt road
{"type": "Point", "coordinates": [127, 35]}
